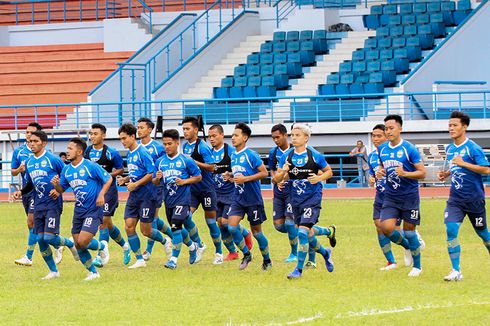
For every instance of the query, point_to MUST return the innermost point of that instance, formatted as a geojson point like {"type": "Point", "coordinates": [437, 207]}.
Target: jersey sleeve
{"type": "Point", "coordinates": [255, 160]}
{"type": "Point", "coordinates": [157, 166]}
{"type": "Point", "coordinates": [479, 156]}
{"type": "Point", "coordinates": [160, 150]}
{"type": "Point", "coordinates": [370, 158]}
{"type": "Point", "coordinates": [148, 163]}
{"type": "Point", "coordinates": [117, 159]}
{"type": "Point", "coordinates": [269, 160]}
{"type": "Point", "coordinates": [414, 155]}
{"type": "Point", "coordinates": [63, 181]}
{"type": "Point", "coordinates": [192, 167]}
{"type": "Point", "coordinates": [320, 160]}
{"type": "Point", "coordinates": [15, 159]}
{"type": "Point", "coordinates": [100, 173]}
{"type": "Point", "coordinates": [58, 164]}
{"type": "Point", "coordinates": [205, 151]}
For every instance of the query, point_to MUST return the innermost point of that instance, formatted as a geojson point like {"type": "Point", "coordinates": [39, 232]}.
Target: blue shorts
{"type": "Point", "coordinates": [475, 209]}
{"type": "Point", "coordinates": [88, 221]}
{"type": "Point", "coordinates": [281, 208]}
{"type": "Point", "coordinates": [205, 198]}
{"type": "Point", "coordinates": [160, 195]}
{"type": "Point", "coordinates": [111, 203]}
{"type": "Point", "coordinates": [406, 208]}
{"type": "Point", "coordinates": [47, 220]}
{"type": "Point", "coordinates": [377, 205]}
{"type": "Point", "coordinates": [143, 209]}
{"type": "Point", "coordinates": [223, 210]}
{"type": "Point", "coordinates": [255, 214]}
{"type": "Point", "coordinates": [28, 202]}
{"type": "Point", "coordinates": [306, 215]}
{"type": "Point", "coordinates": [177, 214]}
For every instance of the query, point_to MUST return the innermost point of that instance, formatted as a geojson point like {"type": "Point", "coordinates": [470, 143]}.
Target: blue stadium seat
{"type": "Point", "coordinates": [266, 47]}
{"type": "Point", "coordinates": [386, 54]}
{"type": "Point", "coordinates": [294, 69]}
{"type": "Point", "coordinates": [267, 70]}
{"type": "Point", "coordinates": [294, 57]}
{"type": "Point", "coordinates": [388, 65]}
{"type": "Point", "coordinates": [358, 55]}
{"type": "Point", "coordinates": [280, 69]}
{"type": "Point", "coordinates": [376, 10]}
{"type": "Point", "coordinates": [253, 59]}
{"type": "Point", "coordinates": [448, 8]}
{"type": "Point", "coordinates": [423, 19]}
{"type": "Point", "coordinates": [384, 43]}
{"type": "Point", "coordinates": [373, 66]}
{"type": "Point", "coordinates": [405, 8]}
{"type": "Point", "coordinates": [224, 90]}
{"type": "Point", "coordinates": [383, 32]}
{"type": "Point", "coordinates": [371, 21]}
{"type": "Point", "coordinates": [371, 43]}
{"type": "Point", "coordinates": [419, 8]}
{"type": "Point", "coordinates": [396, 31]}
{"type": "Point", "coordinates": [306, 35]}
{"type": "Point", "coordinates": [438, 25]}
{"type": "Point", "coordinates": [390, 9]}
{"type": "Point", "coordinates": [292, 36]}
{"type": "Point", "coordinates": [408, 19]}
{"type": "Point", "coordinates": [358, 86]}
{"type": "Point", "coordinates": [320, 34]}
{"type": "Point", "coordinates": [394, 20]}
{"type": "Point", "coordinates": [384, 20]}
{"type": "Point", "coordinates": [410, 30]}
{"type": "Point", "coordinates": [227, 82]}
{"type": "Point", "coordinates": [280, 58]}
{"type": "Point", "coordinates": [237, 90]}
{"type": "Point", "coordinates": [279, 46]}
{"type": "Point", "coordinates": [375, 85]}
{"type": "Point", "coordinates": [402, 65]}
{"type": "Point", "coordinates": [251, 89]}
{"type": "Point", "coordinates": [279, 36]}
{"type": "Point", "coordinates": [344, 86]}
{"type": "Point", "coordinates": [266, 58]}
{"type": "Point", "coordinates": [359, 66]}
{"type": "Point", "coordinates": [433, 7]}
{"type": "Point", "coordinates": [426, 36]}
{"type": "Point", "coordinates": [253, 70]}
{"type": "Point", "coordinates": [372, 55]}
{"type": "Point", "coordinates": [267, 88]}
{"type": "Point", "coordinates": [240, 71]}
{"type": "Point", "coordinates": [281, 81]}
{"type": "Point", "coordinates": [345, 67]}
{"type": "Point", "coordinates": [293, 46]}
{"type": "Point", "coordinates": [399, 42]}
{"type": "Point", "coordinates": [307, 46]}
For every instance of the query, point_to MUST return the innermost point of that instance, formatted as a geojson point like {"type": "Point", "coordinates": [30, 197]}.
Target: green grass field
{"type": "Point", "coordinates": [355, 293]}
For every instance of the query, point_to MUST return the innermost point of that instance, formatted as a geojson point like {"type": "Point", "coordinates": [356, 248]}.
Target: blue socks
{"type": "Point", "coordinates": [485, 236]}
{"type": "Point", "coordinates": [31, 243]}
{"type": "Point", "coordinates": [414, 246]}
{"type": "Point", "coordinates": [227, 239]}
{"type": "Point", "coordinates": [317, 246]}
{"type": "Point", "coordinates": [243, 231]}
{"type": "Point", "coordinates": [163, 227]}
{"type": "Point", "coordinates": [398, 238]}
{"type": "Point", "coordinates": [238, 238]}
{"type": "Point", "coordinates": [176, 243]}
{"type": "Point", "coordinates": [320, 230]}
{"type": "Point", "coordinates": [56, 240]}
{"type": "Point", "coordinates": [453, 247]}
{"type": "Point", "coordinates": [292, 235]}
{"type": "Point", "coordinates": [95, 245]}
{"type": "Point", "coordinates": [385, 245]}
{"type": "Point", "coordinates": [263, 245]}
{"type": "Point", "coordinates": [157, 236]}
{"type": "Point", "coordinates": [46, 253]}
{"type": "Point", "coordinates": [104, 235]}
{"type": "Point", "coordinates": [116, 236]}
{"type": "Point", "coordinates": [86, 259]}
{"type": "Point", "coordinates": [191, 227]}
{"type": "Point", "coordinates": [215, 234]}
{"type": "Point", "coordinates": [303, 247]}
{"type": "Point", "coordinates": [135, 244]}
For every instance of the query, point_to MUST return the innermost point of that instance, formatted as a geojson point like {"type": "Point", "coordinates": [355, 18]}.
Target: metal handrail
{"type": "Point", "coordinates": [145, 13]}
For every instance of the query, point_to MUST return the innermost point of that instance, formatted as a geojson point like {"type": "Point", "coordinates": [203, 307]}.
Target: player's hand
{"type": "Point", "coordinates": [227, 176]}
{"type": "Point", "coordinates": [100, 201]}
{"type": "Point", "coordinates": [381, 173]}
{"type": "Point", "coordinates": [281, 185]}
{"type": "Point", "coordinates": [399, 170]}
{"type": "Point", "coordinates": [314, 178]}
{"type": "Point", "coordinates": [285, 167]}
{"type": "Point", "coordinates": [121, 180]}
{"type": "Point", "coordinates": [55, 181]}
{"type": "Point", "coordinates": [372, 180]}
{"type": "Point", "coordinates": [240, 178]}
{"type": "Point", "coordinates": [441, 175]}
{"type": "Point", "coordinates": [180, 182]}
{"type": "Point", "coordinates": [159, 175]}
{"type": "Point", "coordinates": [458, 160]}
{"type": "Point", "coordinates": [54, 194]}
{"type": "Point", "coordinates": [131, 186]}
{"type": "Point", "coordinates": [22, 167]}
{"type": "Point", "coordinates": [16, 195]}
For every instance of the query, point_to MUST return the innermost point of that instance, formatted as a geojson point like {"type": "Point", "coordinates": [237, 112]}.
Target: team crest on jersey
{"type": "Point", "coordinates": [150, 150]}
{"type": "Point", "coordinates": [135, 157]}
{"type": "Point", "coordinates": [178, 164]}
{"type": "Point", "coordinates": [44, 163]}
{"type": "Point", "coordinates": [81, 172]}
{"type": "Point", "coordinates": [242, 159]}
{"type": "Point", "coordinates": [463, 152]}
{"type": "Point", "coordinates": [399, 154]}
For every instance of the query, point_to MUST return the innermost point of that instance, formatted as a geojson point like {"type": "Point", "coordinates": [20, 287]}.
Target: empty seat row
{"type": "Point", "coordinates": [315, 46]}
{"type": "Point", "coordinates": [419, 7]}
{"type": "Point", "coordinates": [357, 84]}
{"type": "Point", "coordinates": [255, 86]}
{"type": "Point", "coordinates": [400, 64]}
{"type": "Point", "coordinates": [425, 41]}
{"type": "Point", "coordinates": [306, 35]}
{"type": "Point", "coordinates": [411, 19]}
{"type": "Point", "coordinates": [436, 29]}
{"type": "Point", "coordinates": [287, 68]}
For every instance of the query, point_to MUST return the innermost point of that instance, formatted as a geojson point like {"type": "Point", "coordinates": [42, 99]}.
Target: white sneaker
{"type": "Point", "coordinates": [218, 259]}
{"type": "Point", "coordinates": [168, 248]}
{"type": "Point", "coordinates": [200, 252]}
{"type": "Point", "coordinates": [422, 242]}
{"type": "Point", "coordinates": [139, 264]}
{"type": "Point", "coordinates": [454, 276]}
{"type": "Point", "coordinates": [51, 275]}
{"type": "Point", "coordinates": [74, 251]}
{"type": "Point", "coordinates": [104, 253]}
{"type": "Point", "coordinates": [388, 267]}
{"type": "Point", "coordinates": [58, 254]}
{"type": "Point", "coordinates": [146, 256]}
{"type": "Point", "coordinates": [415, 272]}
{"type": "Point", "coordinates": [24, 261]}
{"type": "Point", "coordinates": [92, 276]}
{"type": "Point", "coordinates": [408, 257]}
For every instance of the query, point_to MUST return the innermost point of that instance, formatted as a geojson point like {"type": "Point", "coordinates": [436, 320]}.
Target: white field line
{"type": "Point", "coordinates": [374, 312]}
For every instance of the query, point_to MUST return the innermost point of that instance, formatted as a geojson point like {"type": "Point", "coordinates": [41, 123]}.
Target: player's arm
{"type": "Point", "coordinates": [157, 177]}
{"type": "Point", "coordinates": [418, 174]}
{"type": "Point", "coordinates": [17, 171]}
{"type": "Point", "coordinates": [100, 198]}
{"type": "Point", "coordinates": [480, 169]}
{"type": "Point", "coordinates": [118, 164]}
{"type": "Point", "coordinates": [208, 164]}
{"type": "Point", "coordinates": [240, 178]}
{"type": "Point", "coordinates": [194, 175]}
{"type": "Point", "coordinates": [141, 182]}
{"type": "Point", "coordinates": [56, 182]}
{"type": "Point", "coordinates": [326, 174]}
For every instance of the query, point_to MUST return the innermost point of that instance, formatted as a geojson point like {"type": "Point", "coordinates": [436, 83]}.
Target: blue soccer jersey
{"type": "Point", "coordinates": [301, 189]}
{"type": "Point", "coordinates": [40, 171]}
{"type": "Point", "coordinates": [223, 188]}
{"type": "Point", "coordinates": [140, 163]}
{"type": "Point", "coordinates": [404, 154]}
{"type": "Point", "coordinates": [112, 160]}
{"type": "Point", "coordinates": [155, 149]}
{"type": "Point", "coordinates": [20, 155]}
{"type": "Point", "coordinates": [275, 155]}
{"type": "Point", "coordinates": [466, 184]}
{"type": "Point", "coordinates": [374, 165]}
{"type": "Point", "coordinates": [247, 163]}
{"type": "Point", "coordinates": [180, 166]}
{"type": "Point", "coordinates": [86, 179]}
{"type": "Point", "coordinates": [202, 153]}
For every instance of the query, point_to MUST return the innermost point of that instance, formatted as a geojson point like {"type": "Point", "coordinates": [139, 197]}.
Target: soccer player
{"type": "Point", "coordinates": [467, 195]}
{"type": "Point", "coordinates": [176, 172]}
{"type": "Point", "coordinates": [90, 183]}
{"type": "Point", "coordinates": [110, 160]}
{"type": "Point", "coordinates": [403, 167]}
{"type": "Point", "coordinates": [141, 202]}
{"type": "Point", "coordinates": [248, 169]}
{"type": "Point", "coordinates": [224, 189]}
{"type": "Point", "coordinates": [202, 193]}
{"type": "Point", "coordinates": [282, 210]}
{"type": "Point", "coordinates": [40, 168]}
{"type": "Point", "coordinates": [301, 165]}
{"type": "Point", "coordinates": [145, 128]}
{"type": "Point", "coordinates": [20, 155]}
{"type": "Point", "coordinates": [378, 138]}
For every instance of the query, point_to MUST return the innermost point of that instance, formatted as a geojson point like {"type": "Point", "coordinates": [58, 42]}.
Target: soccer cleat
{"type": "Point", "coordinates": [388, 267]}
{"type": "Point", "coordinates": [454, 276]}
{"type": "Point", "coordinates": [408, 257]}
{"type": "Point", "coordinates": [104, 253]}
{"type": "Point", "coordinates": [193, 254]}
{"type": "Point", "coordinates": [98, 262]}
{"type": "Point", "coordinates": [51, 275]}
{"type": "Point", "coordinates": [266, 265]}
{"type": "Point", "coordinates": [200, 251]}
{"type": "Point", "coordinates": [328, 260]}
{"type": "Point", "coordinates": [168, 248]}
{"type": "Point", "coordinates": [331, 238]}
{"type": "Point", "coordinates": [138, 264]}
{"type": "Point", "coordinates": [58, 254]}
{"type": "Point", "coordinates": [422, 242]}
{"type": "Point", "coordinates": [291, 258]}
{"type": "Point", "coordinates": [146, 255]}
{"type": "Point", "coordinates": [232, 256]}
{"type": "Point", "coordinates": [310, 265]}
{"type": "Point", "coordinates": [126, 254]}
{"type": "Point", "coordinates": [24, 261]}
{"type": "Point", "coordinates": [249, 241]}
{"type": "Point", "coordinates": [92, 276]}
{"type": "Point", "coordinates": [218, 259]}
{"type": "Point", "coordinates": [415, 272]}
{"type": "Point", "coordinates": [245, 261]}
{"type": "Point", "coordinates": [171, 264]}
{"type": "Point", "coordinates": [295, 274]}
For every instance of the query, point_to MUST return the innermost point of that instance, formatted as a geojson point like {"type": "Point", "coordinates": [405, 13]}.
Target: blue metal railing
{"type": "Point", "coordinates": [141, 10]}
{"type": "Point", "coordinates": [283, 9]}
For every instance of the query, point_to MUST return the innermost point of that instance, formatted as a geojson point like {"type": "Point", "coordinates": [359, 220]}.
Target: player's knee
{"type": "Point", "coordinates": [130, 229]}
{"type": "Point", "coordinates": [146, 230]}
{"type": "Point", "coordinates": [232, 229]}
{"type": "Point", "coordinates": [279, 227]}
{"type": "Point", "coordinates": [303, 235]}
{"type": "Point", "coordinates": [82, 242]}
{"type": "Point", "coordinates": [177, 226]}
{"type": "Point", "coordinates": [48, 237]}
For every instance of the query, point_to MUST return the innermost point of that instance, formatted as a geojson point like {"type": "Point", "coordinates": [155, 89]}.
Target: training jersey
{"type": "Point", "coordinates": [155, 149]}
{"type": "Point", "coordinates": [247, 163]}
{"type": "Point", "coordinates": [466, 184]}
{"type": "Point", "coordinates": [109, 160]}
{"type": "Point", "coordinates": [140, 163]}
{"type": "Point", "coordinates": [40, 170]}
{"type": "Point", "coordinates": [202, 153]}
{"type": "Point", "coordinates": [223, 164]}
{"type": "Point", "coordinates": [301, 165]}
{"type": "Point", "coordinates": [20, 155]}
{"type": "Point", "coordinates": [404, 154]}
{"type": "Point", "coordinates": [374, 165]}
{"type": "Point", "coordinates": [86, 179]}
{"type": "Point", "coordinates": [275, 155]}
{"type": "Point", "coordinates": [179, 166]}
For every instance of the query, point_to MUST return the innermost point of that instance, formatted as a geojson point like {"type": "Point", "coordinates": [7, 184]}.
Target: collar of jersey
{"type": "Point", "coordinates": [44, 153]}
{"type": "Point", "coordinates": [131, 152]}
{"type": "Point", "coordinates": [401, 142]}
{"type": "Point", "coordinates": [242, 150]}
{"type": "Point", "coordinates": [75, 166]}
{"type": "Point", "coordinates": [462, 144]}
{"type": "Point", "coordinates": [217, 150]}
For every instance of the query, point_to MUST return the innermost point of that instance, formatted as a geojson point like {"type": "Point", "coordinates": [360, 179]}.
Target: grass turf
{"type": "Point", "coordinates": [356, 292]}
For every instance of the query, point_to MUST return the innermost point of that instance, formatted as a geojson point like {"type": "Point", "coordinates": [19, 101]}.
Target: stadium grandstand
{"type": "Point", "coordinates": [338, 65]}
